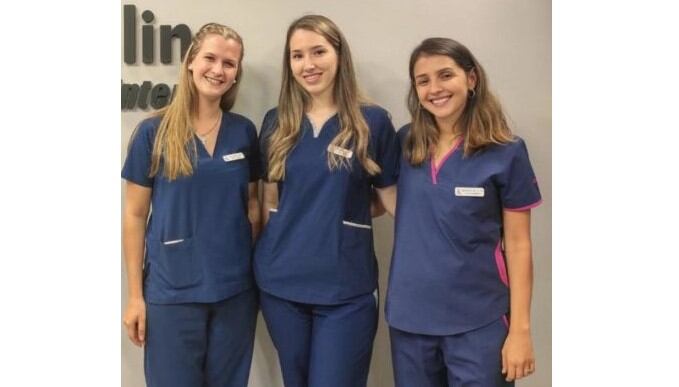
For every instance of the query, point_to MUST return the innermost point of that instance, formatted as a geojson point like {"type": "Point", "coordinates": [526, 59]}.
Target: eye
{"type": "Point", "coordinates": [320, 51]}
{"type": "Point", "coordinates": [209, 58]}
{"type": "Point", "coordinates": [229, 64]}
{"type": "Point", "coordinates": [446, 75]}
{"type": "Point", "coordinates": [421, 82]}
{"type": "Point", "coordinates": [296, 56]}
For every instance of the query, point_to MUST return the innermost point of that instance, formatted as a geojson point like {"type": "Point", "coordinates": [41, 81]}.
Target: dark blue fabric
{"type": "Point", "coordinates": [472, 358]}
{"type": "Point", "coordinates": [198, 238]}
{"type": "Point", "coordinates": [322, 345]}
{"type": "Point", "coordinates": [318, 246]}
{"type": "Point", "coordinates": [444, 278]}
{"type": "Point", "coordinates": [198, 344]}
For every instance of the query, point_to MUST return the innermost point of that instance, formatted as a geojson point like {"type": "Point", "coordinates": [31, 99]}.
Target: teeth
{"type": "Point", "coordinates": [439, 101]}
{"type": "Point", "coordinates": [312, 78]}
{"type": "Point", "coordinates": [214, 81]}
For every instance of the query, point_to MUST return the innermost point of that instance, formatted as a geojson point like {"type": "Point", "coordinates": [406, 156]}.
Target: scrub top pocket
{"type": "Point", "coordinates": [464, 214]}
{"type": "Point", "coordinates": [176, 264]}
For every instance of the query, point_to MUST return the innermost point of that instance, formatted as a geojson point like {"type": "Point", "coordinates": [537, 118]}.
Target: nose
{"type": "Point", "coordinates": [309, 64]}
{"type": "Point", "coordinates": [434, 86]}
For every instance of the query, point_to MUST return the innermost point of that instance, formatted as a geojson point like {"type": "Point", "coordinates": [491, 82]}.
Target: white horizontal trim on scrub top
{"type": "Point", "coordinates": [173, 242]}
{"type": "Point", "coordinates": [273, 209]}
{"type": "Point", "coordinates": [366, 226]}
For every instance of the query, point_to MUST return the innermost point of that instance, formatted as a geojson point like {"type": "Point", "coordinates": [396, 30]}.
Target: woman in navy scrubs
{"type": "Point", "coordinates": [324, 151]}
{"type": "Point", "coordinates": [462, 253]}
{"type": "Point", "coordinates": [192, 301]}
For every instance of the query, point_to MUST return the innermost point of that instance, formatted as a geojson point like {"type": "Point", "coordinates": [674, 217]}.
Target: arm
{"type": "Point", "coordinates": [518, 359]}
{"type": "Point", "coordinates": [254, 214]}
{"type": "Point", "coordinates": [387, 196]}
{"type": "Point", "coordinates": [269, 200]}
{"type": "Point", "coordinates": [135, 215]}
{"type": "Point", "coordinates": [376, 207]}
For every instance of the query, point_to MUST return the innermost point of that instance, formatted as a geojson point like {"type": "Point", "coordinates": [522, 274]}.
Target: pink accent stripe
{"type": "Point", "coordinates": [436, 168]}
{"type": "Point", "coordinates": [504, 318]}
{"type": "Point", "coordinates": [500, 262]}
{"type": "Point", "coordinates": [528, 207]}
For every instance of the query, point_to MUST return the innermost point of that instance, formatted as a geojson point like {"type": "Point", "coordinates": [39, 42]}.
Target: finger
{"type": "Point", "coordinates": [519, 372]}
{"type": "Point", "coordinates": [511, 374]}
{"type": "Point", "coordinates": [141, 329]}
{"type": "Point", "coordinates": [504, 363]}
{"type": "Point", "coordinates": [132, 334]}
{"type": "Point", "coordinates": [527, 371]}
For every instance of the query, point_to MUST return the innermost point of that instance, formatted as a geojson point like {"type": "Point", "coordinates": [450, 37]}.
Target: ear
{"type": "Point", "coordinates": [472, 78]}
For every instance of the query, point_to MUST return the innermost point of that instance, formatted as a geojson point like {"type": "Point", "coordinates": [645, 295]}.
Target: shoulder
{"type": "Point", "coordinates": [268, 122]}
{"type": "Point", "coordinates": [235, 119]}
{"type": "Point", "coordinates": [402, 133]}
{"type": "Point", "coordinates": [375, 113]}
{"type": "Point", "coordinates": [147, 129]}
{"type": "Point", "coordinates": [516, 148]}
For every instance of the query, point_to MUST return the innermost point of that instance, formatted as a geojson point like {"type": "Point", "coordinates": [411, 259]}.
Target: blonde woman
{"type": "Point", "coordinates": [324, 151]}
{"type": "Point", "coordinates": [192, 303]}
{"type": "Point", "coordinates": [462, 248]}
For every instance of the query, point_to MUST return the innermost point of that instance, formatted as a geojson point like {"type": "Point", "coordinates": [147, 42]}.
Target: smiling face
{"type": "Point", "coordinates": [313, 62]}
{"type": "Point", "coordinates": [215, 66]}
{"type": "Point", "coordinates": [442, 87]}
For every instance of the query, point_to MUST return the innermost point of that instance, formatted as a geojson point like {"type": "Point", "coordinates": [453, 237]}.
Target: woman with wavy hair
{"type": "Point", "coordinates": [462, 246]}
{"type": "Point", "coordinates": [324, 150]}
{"type": "Point", "coordinates": [191, 297]}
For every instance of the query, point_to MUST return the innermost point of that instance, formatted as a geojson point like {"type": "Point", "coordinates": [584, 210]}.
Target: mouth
{"type": "Point", "coordinates": [214, 81]}
{"type": "Point", "coordinates": [312, 78]}
{"type": "Point", "coordinates": [440, 101]}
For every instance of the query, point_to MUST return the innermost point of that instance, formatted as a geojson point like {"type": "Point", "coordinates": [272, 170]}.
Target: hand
{"type": "Point", "coordinates": [518, 360]}
{"type": "Point", "coordinates": [135, 321]}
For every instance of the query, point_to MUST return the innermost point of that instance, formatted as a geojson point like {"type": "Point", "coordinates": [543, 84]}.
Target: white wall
{"type": "Point", "coordinates": [511, 39]}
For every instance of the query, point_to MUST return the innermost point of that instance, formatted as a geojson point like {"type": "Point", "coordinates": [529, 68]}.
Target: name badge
{"type": "Point", "coordinates": [233, 156]}
{"type": "Point", "coordinates": [346, 153]}
{"type": "Point", "coordinates": [477, 192]}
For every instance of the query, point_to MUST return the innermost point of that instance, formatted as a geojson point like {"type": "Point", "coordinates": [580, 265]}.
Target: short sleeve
{"type": "Point", "coordinates": [519, 189]}
{"type": "Point", "coordinates": [387, 150]}
{"type": "Point", "coordinates": [137, 166]}
{"type": "Point", "coordinates": [265, 132]}
{"type": "Point", "coordinates": [253, 153]}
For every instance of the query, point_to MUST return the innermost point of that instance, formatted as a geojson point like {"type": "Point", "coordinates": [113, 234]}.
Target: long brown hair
{"type": "Point", "coordinates": [293, 101]}
{"type": "Point", "coordinates": [174, 141]}
{"type": "Point", "coordinates": [482, 122]}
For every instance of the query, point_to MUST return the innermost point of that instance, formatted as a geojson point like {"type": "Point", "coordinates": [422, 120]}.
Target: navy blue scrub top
{"type": "Point", "coordinates": [198, 237]}
{"type": "Point", "coordinates": [448, 272]}
{"type": "Point", "coordinates": [317, 247]}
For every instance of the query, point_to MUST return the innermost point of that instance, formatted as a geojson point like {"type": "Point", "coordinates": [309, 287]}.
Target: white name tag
{"type": "Point", "coordinates": [478, 192]}
{"type": "Point", "coordinates": [233, 156]}
{"type": "Point", "coordinates": [346, 153]}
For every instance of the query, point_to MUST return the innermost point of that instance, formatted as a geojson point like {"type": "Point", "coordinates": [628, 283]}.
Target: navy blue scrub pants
{"type": "Point", "coordinates": [322, 345]}
{"type": "Point", "coordinates": [469, 359]}
{"type": "Point", "coordinates": [200, 344]}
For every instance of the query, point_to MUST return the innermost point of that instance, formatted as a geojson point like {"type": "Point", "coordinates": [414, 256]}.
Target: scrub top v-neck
{"type": "Point", "coordinates": [448, 272]}
{"type": "Point", "coordinates": [198, 237]}
{"type": "Point", "coordinates": [317, 247]}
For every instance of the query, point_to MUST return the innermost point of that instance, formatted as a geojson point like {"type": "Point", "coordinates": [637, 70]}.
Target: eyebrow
{"type": "Point", "coordinates": [437, 72]}
{"type": "Point", "coordinates": [312, 48]}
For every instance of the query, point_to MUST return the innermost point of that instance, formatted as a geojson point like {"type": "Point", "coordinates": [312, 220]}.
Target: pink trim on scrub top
{"type": "Point", "coordinates": [435, 169]}
{"type": "Point", "coordinates": [504, 318]}
{"type": "Point", "coordinates": [500, 262]}
{"type": "Point", "coordinates": [524, 208]}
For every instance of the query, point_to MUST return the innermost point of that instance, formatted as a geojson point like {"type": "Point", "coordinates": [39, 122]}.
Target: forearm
{"type": "Point", "coordinates": [134, 228]}
{"type": "Point", "coordinates": [387, 196]}
{"type": "Point", "coordinates": [254, 213]}
{"type": "Point", "coordinates": [520, 270]}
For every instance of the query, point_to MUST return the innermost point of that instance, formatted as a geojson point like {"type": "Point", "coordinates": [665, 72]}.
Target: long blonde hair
{"type": "Point", "coordinates": [482, 122]}
{"type": "Point", "coordinates": [293, 101]}
{"type": "Point", "coordinates": [174, 142]}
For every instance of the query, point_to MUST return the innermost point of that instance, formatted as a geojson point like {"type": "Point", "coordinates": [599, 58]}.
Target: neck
{"type": "Point", "coordinates": [323, 102]}
{"type": "Point", "coordinates": [208, 109]}
{"type": "Point", "coordinates": [449, 126]}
